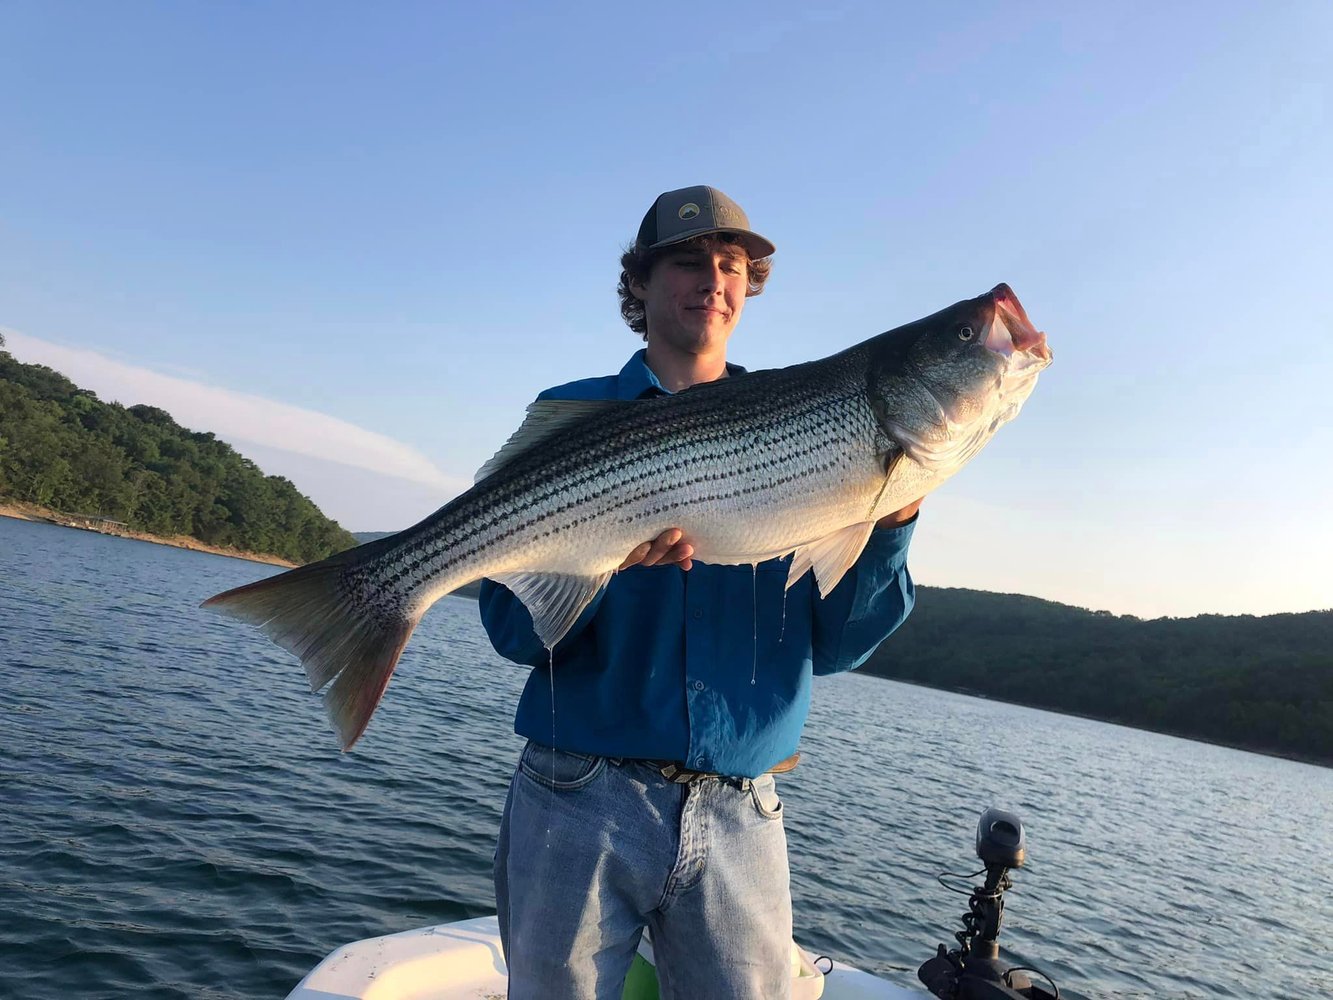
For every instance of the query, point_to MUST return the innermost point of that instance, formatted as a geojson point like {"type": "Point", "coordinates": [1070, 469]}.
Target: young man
{"type": "Point", "coordinates": [645, 795]}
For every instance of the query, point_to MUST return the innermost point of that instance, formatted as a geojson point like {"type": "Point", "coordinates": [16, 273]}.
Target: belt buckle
{"type": "Point", "coordinates": [678, 773]}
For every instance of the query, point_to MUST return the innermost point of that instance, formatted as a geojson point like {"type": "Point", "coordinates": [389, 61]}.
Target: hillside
{"type": "Point", "coordinates": [1259, 683]}
{"type": "Point", "coordinates": [63, 449]}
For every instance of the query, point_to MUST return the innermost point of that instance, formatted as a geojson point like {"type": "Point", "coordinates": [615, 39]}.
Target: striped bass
{"type": "Point", "coordinates": [796, 461]}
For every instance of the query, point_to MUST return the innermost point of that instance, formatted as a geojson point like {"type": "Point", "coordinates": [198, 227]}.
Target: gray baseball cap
{"type": "Point", "coordinates": [680, 215]}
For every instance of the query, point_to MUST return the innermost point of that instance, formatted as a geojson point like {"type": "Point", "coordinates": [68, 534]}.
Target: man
{"type": "Point", "coordinates": [645, 796]}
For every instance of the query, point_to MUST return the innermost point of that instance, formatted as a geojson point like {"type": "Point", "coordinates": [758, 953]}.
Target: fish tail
{"type": "Point", "coordinates": [309, 612]}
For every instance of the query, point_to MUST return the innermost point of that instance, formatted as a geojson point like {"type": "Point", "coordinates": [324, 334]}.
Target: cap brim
{"type": "Point", "coordinates": [755, 245]}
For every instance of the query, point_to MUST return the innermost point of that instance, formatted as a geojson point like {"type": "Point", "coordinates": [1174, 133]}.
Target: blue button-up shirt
{"type": "Point", "coordinates": [710, 667]}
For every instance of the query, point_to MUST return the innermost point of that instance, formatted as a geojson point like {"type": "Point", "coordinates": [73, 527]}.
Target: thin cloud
{"type": "Point", "coordinates": [236, 416]}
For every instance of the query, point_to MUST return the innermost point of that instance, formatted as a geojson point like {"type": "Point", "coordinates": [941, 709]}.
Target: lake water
{"type": "Point", "coordinates": [176, 820]}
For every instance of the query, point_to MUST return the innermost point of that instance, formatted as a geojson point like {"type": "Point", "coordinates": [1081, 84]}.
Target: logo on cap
{"type": "Point", "coordinates": [688, 211]}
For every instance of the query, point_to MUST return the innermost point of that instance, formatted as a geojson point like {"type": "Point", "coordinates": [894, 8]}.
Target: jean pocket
{"type": "Point", "coordinates": [559, 769]}
{"type": "Point", "coordinates": [764, 794]}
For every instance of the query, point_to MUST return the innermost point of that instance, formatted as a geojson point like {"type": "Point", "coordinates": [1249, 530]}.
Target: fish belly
{"type": "Point", "coordinates": [735, 504]}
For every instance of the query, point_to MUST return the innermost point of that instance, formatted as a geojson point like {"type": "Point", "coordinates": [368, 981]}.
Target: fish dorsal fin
{"type": "Point", "coordinates": [555, 600]}
{"type": "Point", "coordinates": [831, 556]}
{"type": "Point", "coordinates": [544, 419]}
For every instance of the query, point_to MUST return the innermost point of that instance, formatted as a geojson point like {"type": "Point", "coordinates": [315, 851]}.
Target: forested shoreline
{"type": "Point", "coordinates": [63, 448]}
{"type": "Point", "coordinates": [1256, 683]}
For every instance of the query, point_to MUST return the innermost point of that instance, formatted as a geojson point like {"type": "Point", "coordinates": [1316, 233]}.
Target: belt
{"type": "Point", "coordinates": [675, 771]}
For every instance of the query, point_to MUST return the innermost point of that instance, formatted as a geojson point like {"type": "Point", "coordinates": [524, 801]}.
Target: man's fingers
{"type": "Point", "coordinates": [900, 516]}
{"type": "Point", "coordinates": [661, 545]}
{"type": "Point", "coordinates": [636, 555]}
{"type": "Point", "coordinates": [679, 553]}
{"type": "Point", "coordinates": [664, 550]}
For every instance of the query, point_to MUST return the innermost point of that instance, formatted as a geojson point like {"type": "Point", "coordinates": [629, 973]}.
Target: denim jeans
{"type": "Point", "coordinates": [591, 851]}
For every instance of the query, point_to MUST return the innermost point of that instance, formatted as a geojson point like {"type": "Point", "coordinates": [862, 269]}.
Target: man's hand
{"type": "Point", "coordinates": [898, 516]}
{"type": "Point", "coordinates": [666, 549]}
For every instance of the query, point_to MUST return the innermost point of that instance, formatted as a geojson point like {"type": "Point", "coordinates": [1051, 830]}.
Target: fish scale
{"type": "Point", "coordinates": [688, 441]}
{"type": "Point", "coordinates": [798, 461]}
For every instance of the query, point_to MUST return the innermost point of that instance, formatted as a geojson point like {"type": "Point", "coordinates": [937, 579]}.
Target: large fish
{"type": "Point", "coordinates": [794, 461]}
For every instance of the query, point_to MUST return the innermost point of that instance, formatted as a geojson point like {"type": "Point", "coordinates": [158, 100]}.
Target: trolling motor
{"type": "Point", "coordinates": [973, 970]}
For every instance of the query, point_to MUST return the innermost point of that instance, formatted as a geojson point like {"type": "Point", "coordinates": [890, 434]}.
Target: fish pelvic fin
{"type": "Point", "coordinates": [555, 600]}
{"type": "Point", "coordinates": [831, 556]}
{"type": "Point", "coordinates": [308, 612]}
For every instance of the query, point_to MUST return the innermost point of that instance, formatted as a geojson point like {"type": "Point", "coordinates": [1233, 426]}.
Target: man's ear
{"type": "Point", "coordinates": [637, 289]}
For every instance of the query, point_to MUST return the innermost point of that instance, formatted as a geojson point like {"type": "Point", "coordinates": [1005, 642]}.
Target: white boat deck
{"type": "Point", "coordinates": [463, 960]}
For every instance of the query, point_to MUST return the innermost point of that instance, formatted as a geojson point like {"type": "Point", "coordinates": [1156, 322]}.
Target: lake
{"type": "Point", "coordinates": [177, 821]}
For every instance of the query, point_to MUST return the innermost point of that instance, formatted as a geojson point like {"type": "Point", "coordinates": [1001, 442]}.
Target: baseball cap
{"type": "Point", "coordinates": [681, 215]}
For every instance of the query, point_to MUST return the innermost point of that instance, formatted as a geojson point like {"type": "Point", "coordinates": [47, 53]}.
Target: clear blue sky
{"type": "Point", "coordinates": [406, 217]}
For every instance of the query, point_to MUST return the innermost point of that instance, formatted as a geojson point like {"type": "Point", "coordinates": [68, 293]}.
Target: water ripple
{"type": "Point", "coordinates": [176, 820]}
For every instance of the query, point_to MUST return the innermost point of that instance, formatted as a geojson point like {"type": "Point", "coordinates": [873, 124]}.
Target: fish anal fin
{"type": "Point", "coordinates": [545, 418]}
{"type": "Point", "coordinates": [555, 600]}
{"type": "Point", "coordinates": [831, 556]}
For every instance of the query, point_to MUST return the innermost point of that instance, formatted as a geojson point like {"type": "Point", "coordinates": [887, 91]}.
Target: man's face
{"type": "Point", "coordinates": [693, 298]}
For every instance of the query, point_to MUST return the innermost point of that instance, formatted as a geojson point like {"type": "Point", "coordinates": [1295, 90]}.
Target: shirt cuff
{"type": "Point", "coordinates": [889, 545]}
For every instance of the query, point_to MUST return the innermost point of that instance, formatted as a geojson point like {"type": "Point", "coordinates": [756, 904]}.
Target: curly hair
{"type": "Point", "coordinates": [636, 264]}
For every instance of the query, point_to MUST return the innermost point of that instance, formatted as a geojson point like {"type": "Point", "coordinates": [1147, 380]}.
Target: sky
{"type": "Point", "coordinates": [356, 240]}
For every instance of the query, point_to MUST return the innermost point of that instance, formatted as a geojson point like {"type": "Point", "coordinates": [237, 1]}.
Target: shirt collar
{"type": "Point", "coordinates": [637, 380]}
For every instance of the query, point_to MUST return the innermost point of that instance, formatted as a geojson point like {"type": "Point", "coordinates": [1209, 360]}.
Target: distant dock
{"type": "Point", "coordinates": [91, 522]}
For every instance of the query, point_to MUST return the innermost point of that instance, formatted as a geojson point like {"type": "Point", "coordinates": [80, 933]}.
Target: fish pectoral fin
{"type": "Point", "coordinates": [831, 556]}
{"type": "Point", "coordinates": [545, 418]}
{"type": "Point", "coordinates": [555, 600]}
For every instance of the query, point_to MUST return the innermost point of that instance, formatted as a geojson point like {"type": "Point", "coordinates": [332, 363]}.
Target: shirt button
{"type": "Point", "coordinates": [698, 685]}
{"type": "Point", "coordinates": [700, 762]}
{"type": "Point", "coordinates": [698, 613]}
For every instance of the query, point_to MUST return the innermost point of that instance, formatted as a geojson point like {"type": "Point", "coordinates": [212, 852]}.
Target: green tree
{"type": "Point", "coordinates": [66, 449]}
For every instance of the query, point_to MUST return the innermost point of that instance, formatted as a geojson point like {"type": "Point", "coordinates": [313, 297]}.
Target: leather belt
{"type": "Point", "coordinates": [675, 771]}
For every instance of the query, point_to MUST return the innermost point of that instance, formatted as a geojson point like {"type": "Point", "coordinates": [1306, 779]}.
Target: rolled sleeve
{"type": "Point", "coordinates": [869, 603]}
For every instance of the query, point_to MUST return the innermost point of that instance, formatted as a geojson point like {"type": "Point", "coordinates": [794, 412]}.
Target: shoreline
{"type": "Point", "coordinates": [23, 511]}
{"type": "Point", "coordinates": [1295, 758]}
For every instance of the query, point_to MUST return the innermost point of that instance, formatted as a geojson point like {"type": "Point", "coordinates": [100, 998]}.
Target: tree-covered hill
{"type": "Point", "coordinates": [1261, 683]}
{"type": "Point", "coordinates": [61, 447]}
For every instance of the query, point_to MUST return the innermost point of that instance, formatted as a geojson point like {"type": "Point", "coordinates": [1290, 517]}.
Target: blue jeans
{"type": "Point", "coordinates": [591, 851]}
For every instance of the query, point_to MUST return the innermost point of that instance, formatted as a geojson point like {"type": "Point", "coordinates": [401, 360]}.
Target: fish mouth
{"type": "Point", "coordinates": [1012, 332]}
{"type": "Point", "coordinates": [969, 414]}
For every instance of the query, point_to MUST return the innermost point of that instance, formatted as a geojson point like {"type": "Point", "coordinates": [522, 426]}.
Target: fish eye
{"type": "Point", "coordinates": [965, 333]}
